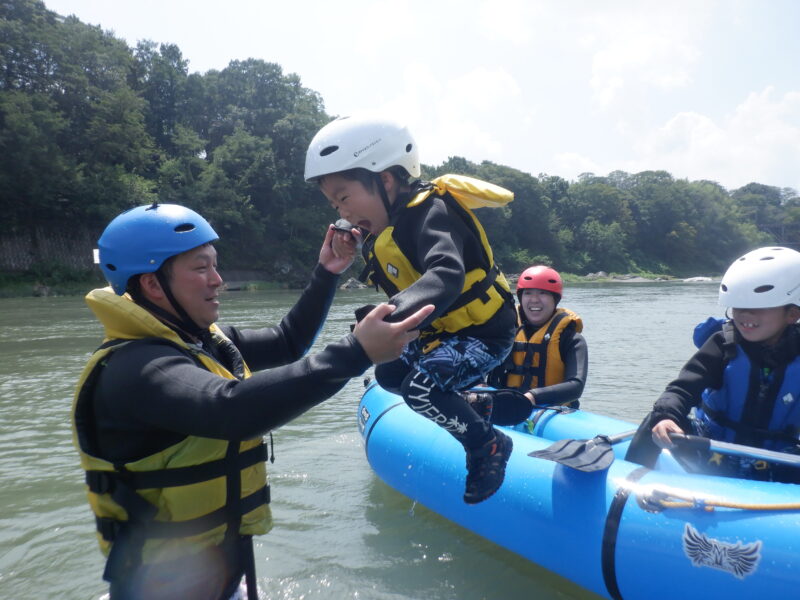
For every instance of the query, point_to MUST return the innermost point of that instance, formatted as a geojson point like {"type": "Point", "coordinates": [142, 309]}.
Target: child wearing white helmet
{"type": "Point", "coordinates": [744, 381]}
{"type": "Point", "coordinates": [423, 245]}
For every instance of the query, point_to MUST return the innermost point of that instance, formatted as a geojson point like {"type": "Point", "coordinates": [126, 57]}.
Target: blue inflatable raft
{"type": "Point", "coordinates": [629, 532]}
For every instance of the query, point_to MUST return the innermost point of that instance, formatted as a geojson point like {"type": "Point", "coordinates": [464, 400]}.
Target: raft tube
{"type": "Point", "coordinates": [612, 532]}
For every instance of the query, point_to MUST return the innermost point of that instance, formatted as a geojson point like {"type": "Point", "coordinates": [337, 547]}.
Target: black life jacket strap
{"type": "Point", "coordinates": [128, 537]}
{"type": "Point", "coordinates": [729, 344]}
{"type": "Point", "coordinates": [101, 482]}
{"type": "Point", "coordinates": [526, 370]}
{"type": "Point", "coordinates": [478, 290]}
{"type": "Point", "coordinates": [373, 274]}
{"type": "Point", "coordinates": [111, 528]}
{"type": "Point", "coordinates": [248, 560]}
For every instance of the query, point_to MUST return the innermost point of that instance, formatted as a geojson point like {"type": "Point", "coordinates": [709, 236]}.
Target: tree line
{"type": "Point", "coordinates": [90, 126]}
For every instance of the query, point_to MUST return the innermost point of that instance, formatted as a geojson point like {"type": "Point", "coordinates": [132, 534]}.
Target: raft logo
{"type": "Point", "coordinates": [363, 418]}
{"type": "Point", "coordinates": [738, 559]}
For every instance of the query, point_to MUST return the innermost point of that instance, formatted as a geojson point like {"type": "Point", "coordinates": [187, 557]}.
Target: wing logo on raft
{"type": "Point", "coordinates": [738, 559]}
{"type": "Point", "coordinates": [363, 418]}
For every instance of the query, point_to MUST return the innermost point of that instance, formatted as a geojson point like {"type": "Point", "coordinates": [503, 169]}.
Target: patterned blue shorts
{"type": "Point", "coordinates": [457, 363]}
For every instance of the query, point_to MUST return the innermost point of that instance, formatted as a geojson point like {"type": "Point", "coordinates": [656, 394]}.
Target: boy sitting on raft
{"type": "Point", "coordinates": [744, 381]}
{"type": "Point", "coordinates": [423, 245]}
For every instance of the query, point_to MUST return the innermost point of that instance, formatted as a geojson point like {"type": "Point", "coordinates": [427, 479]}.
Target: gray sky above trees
{"type": "Point", "coordinates": [702, 89]}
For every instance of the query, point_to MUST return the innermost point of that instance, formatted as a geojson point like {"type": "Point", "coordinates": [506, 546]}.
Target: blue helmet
{"type": "Point", "coordinates": [142, 238]}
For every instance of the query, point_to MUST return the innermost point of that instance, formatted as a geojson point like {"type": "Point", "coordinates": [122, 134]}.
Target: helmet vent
{"type": "Point", "coordinates": [409, 147]}
{"type": "Point", "coordinates": [723, 287]}
{"type": "Point", "coordinates": [184, 227]}
{"type": "Point", "coordinates": [767, 258]}
{"type": "Point", "coordinates": [328, 150]}
{"type": "Point", "coordinates": [763, 288]}
{"type": "Point", "coordinates": [110, 267]}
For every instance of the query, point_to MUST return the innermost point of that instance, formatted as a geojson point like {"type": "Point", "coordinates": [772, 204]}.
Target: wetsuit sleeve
{"type": "Point", "coordinates": [703, 370]}
{"type": "Point", "coordinates": [295, 334]}
{"type": "Point", "coordinates": [433, 238]}
{"type": "Point", "coordinates": [574, 352]}
{"type": "Point", "coordinates": [497, 376]}
{"type": "Point", "coordinates": [158, 387]}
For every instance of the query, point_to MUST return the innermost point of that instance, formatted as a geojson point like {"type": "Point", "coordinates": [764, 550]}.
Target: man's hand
{"type": "Point", "coordinates": [339, 249]}
{"type": "Point", "coordinates": [383, 341]}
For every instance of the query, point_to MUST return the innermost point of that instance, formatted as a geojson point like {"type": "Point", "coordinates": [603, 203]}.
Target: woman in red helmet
{"type": "Point", "coordinates": [549, 360]}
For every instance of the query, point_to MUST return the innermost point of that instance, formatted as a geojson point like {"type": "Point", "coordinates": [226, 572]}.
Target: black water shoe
{"type": "Point", "coordinates": [486, 468]}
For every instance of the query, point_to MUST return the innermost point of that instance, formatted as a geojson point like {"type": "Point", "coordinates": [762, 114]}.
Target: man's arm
{"type": "Point", "coordinates": [295, 334]}
{"type": "Point", "coordinates": [157, 386]}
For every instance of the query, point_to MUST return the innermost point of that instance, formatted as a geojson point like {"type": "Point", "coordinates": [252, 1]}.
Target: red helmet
{"type": "Point", "coordinates": [540, 278]}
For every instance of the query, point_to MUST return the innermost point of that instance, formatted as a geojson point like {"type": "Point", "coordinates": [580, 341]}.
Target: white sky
{"type": "Point", "coordinates": [703, 89]}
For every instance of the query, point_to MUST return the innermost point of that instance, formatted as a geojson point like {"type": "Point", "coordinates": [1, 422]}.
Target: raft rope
{"type": "Point", "coordinates": [656, 500]}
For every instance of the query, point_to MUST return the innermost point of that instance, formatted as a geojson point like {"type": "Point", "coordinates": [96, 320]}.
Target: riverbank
{"type": "Point", "coordinates": [22, 285]}
{"type": "Point", "coordinates": [77, 284]}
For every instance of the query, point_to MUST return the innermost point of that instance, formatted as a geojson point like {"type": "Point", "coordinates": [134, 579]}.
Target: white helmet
{"type": "Point", "coordinates": [368, 142]}
{"type": "Point", "coordinates": [764, 278]}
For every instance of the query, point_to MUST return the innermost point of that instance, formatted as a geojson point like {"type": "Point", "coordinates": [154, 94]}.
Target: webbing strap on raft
{"type": "Point", "coordinates": [609, 549]}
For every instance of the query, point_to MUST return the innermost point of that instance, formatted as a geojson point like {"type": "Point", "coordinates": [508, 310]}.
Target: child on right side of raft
{"type": "Point", "coordinates": [744, 381]}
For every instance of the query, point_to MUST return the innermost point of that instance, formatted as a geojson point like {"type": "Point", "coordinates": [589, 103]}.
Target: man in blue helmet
{"type": "Point", "coordinates": [168, 417]}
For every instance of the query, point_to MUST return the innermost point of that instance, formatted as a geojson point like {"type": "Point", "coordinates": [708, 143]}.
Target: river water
{"type": "Point", "coordinates": [339, 531]}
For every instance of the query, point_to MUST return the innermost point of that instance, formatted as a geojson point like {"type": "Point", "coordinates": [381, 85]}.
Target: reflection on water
{"type": "Point", "coordinates": [340, 532]}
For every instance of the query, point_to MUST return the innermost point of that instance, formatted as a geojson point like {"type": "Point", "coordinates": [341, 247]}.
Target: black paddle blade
{"type": "Point", "coordinates": [510, 407]}
{"type": "Point", "coordinates": [591, 455]}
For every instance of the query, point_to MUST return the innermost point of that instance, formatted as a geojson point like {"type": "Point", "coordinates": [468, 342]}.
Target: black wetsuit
{"type": "Point", "coordinates": [151, 395]}
{"type": "Point", "coordinates": [439, 240]}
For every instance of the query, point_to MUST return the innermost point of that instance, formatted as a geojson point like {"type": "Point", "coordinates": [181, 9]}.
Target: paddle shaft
{"type": "Point", "coordinates": [704, 444]}
{"type": "Point", "coordinates": [621, 437]}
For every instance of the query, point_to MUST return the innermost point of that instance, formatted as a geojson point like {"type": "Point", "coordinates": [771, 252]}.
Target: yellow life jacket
{"type": "Point", "coordinates": [484, 290]}
{"type": "Point", "coordinates": [177, 497]}
{"type": "Point", "coordinates": [536, 361]}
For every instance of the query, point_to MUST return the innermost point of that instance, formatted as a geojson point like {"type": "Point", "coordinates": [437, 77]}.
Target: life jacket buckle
{"type": "Point", "coordinates": [108, 528]}
{"type": "Point", "coordinates": [100, 482]}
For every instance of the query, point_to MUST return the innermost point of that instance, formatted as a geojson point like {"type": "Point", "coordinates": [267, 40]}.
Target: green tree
{"type": "Point", "coordinates": [36, 175]}
{"type": "Point", "coordinates": [161, 76]}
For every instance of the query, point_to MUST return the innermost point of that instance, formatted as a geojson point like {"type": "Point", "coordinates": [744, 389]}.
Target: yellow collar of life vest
{"type": "Point", "coordinates": [469, 192]}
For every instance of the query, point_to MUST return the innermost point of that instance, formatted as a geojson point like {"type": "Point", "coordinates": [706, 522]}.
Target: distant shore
{"type": "Point", "coordinates": [13, 287]}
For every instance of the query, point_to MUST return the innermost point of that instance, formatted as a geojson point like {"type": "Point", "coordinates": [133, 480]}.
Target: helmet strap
{"type": "Point", "coordinates": [184, 321]}
{"type": "Point", "coordinates": [382, 192]}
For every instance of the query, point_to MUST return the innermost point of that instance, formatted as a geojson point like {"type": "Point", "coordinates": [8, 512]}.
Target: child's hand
{"type": "Point", "coordinates": [383, 341]}
{"type": "Point", "coordinates": [339, 249]}
{"type": "Point", "coordinates": [662, 430]}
